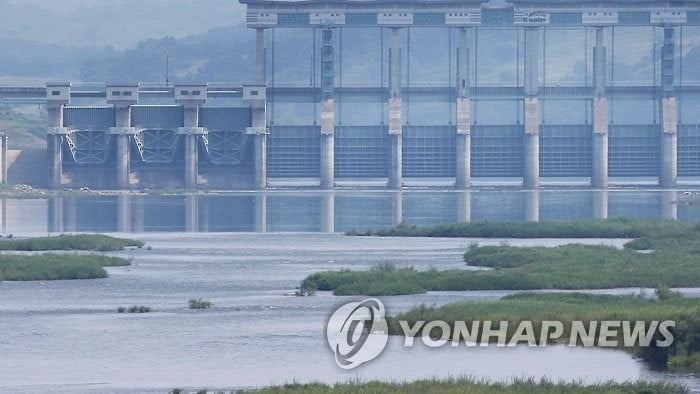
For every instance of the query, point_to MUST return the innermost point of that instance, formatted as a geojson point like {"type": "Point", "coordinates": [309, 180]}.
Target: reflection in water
{"type": "Point", "coordinates": [331, 211]}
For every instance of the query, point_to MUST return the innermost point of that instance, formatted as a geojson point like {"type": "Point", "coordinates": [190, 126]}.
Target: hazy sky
{"type": "Point", "coordinates": [120, 23]}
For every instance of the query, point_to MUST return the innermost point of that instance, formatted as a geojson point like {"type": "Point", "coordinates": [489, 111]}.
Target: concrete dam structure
{"type": "Point", "coordinates": [397, 91]}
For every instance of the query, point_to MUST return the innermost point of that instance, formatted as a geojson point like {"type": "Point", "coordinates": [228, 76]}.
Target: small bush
{"type": "Point", "coordinates": [134, 309]}
{"type": "Point", "coordinates": [664, 293]}
{"type": "Point", "coordinates": [306, 289]}
{"type": "Point", "coordinates": [200, 303]}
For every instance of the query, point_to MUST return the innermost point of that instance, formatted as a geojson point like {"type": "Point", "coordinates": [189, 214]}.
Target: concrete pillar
{"type": "Point", "coordinates": [328, 212]}
{"type": "Point", "coordinates": [668, 110]}
{"type": "Point", "coordinates": [260, 58]}
{"type": "Point", "coordinates": [255, 95]}
{"type": "Point", "coordinates": [57, 97]}
{"type": "Point", "coordinates": [191, 97]}
{"type": "Point", "coordinates": [599, 175]}
{"type": "Point", "coordinates": [124, 213]}
{"type": "Point", "coordinates": [327, 110]}
{"type": "Point", "coordinates": [532, 206]}
{"type": "Point", "coordinates": [600, 204]}
{"type": "Point", "coordinates": [531, 176]}
{"type": "Point", "coordinates": [395, 113]}
{"type": "Point", "coordinates": [122, 97]}
{"type": "Point", "coordinates": [260, 213]}
{"type": "Point", "coordinates": [463, 139]}
{"type": "Point", "coordinates": [396, 208]}
{"type": "Point", "coordinates": [328, 143]}
{"type": "Point", "coordinates": [464, 206]}
{"type": "Point", "coordinates": [3, 159]}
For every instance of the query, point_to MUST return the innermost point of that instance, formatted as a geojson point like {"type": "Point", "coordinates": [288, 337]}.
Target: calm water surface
{"type": "Point", "coordinates": [333, 211]}
{"type": "Point", "coordinates": [66, 337]}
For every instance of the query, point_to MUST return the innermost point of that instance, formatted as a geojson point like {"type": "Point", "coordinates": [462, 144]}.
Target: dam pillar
{"type": "Point", "coordinates": [395, 113]}
{"type": "Point", "coordinates": [3, 159]}
{"type": "Point", "coordinates": [669, 114]}
{"type": "Point", "coordinates": [599, 175]}
{"type": "Point", "coordinates": [191, 97]}
{"type": "Point", "coordinates": [57, 97]}
{"type": "Point", "coordinates": [255, 96]}
{"type": "Point", "coordinates": [327, 110]}
{"type": "Point", "coordinates": [463, 138]}
{"type": "Point", "coordinates": [122, 97]}
{"type": "Point", "coordinates": [531, 176]}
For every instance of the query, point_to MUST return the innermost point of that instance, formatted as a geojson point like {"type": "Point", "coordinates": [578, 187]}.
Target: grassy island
{"type": "Point", "coordinates": [671, 258]}
{"type": "Point", "coordinates": [56, 266]}
{"type": "Point", "coordinates": [593, 228]}
{"type": "Point", "coordinates": [683, 354]}
{"type": "Point", "coordinates": [89, 242]}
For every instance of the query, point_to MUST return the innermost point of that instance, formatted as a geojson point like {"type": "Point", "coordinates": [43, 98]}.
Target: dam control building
{"type": "Point", "coordinates": [399, 91]}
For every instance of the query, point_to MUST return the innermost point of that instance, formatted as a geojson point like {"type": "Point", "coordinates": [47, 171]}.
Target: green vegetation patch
{"type": "Point", "coordinates": [468, 385]}
{"type": "Point", "coordinates": [567, 308]}
{"type": "Point", "coordinates": [56, 266]}
{"type": "Point", "coordinates": [671, 258]}
{"type": "Point", "coordinates": [200, 303]}
{"type": "Point", "coordinates": [92, 242]}
{"type": "Point", "coordinates": [569, 267]}
{"type": "Point", "coordinates": [595, 228]}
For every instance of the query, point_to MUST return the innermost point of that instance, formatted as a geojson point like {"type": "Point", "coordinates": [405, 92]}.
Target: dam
{"type": "Point", "coordinates": [368, 103]}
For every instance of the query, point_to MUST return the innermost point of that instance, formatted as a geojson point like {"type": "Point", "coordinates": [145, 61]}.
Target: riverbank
{"type": "Point", "coordinates": [466, 385]}
{"type": "Point", "coordinates": [682, 355]}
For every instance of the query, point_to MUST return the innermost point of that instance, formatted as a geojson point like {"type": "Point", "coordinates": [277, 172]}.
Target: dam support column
{"type": "Point", "coordinates": [599, 176]}
{"type": "Point", "coordinates": [3, 159]}
{"type": "Point", "coordinates": [327, 111]}
{"type": "Point", "coordinates": [463, 138]}
{"type": "Point", "coordinates": [57, 97]}
{"type": "Point", "coordinates": [255, 96]}
{"type": "Point", "coordinates": [191, 97]}
{"type": "Point", "coordinates": [395, 113]}
{"type": "Point", "coordinates": [531, 176]}
{"type": "Point", "coordinates": [668, 108]}
{"type": "Point", "coordinates": [122, 97]}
